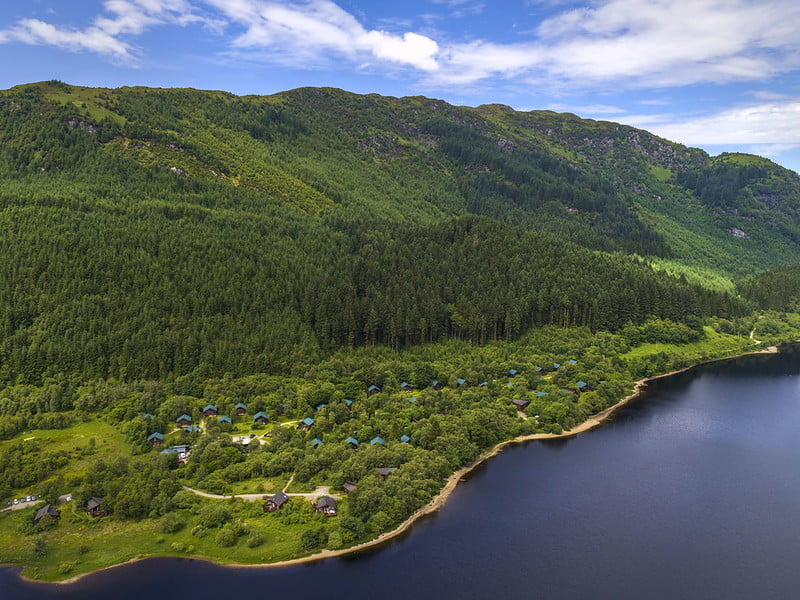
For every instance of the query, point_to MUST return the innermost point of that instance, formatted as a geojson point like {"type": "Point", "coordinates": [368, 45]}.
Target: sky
{"type": "Point", "coordinates": [722, 75]}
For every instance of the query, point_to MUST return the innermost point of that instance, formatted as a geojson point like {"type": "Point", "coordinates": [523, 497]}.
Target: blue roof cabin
{"type": "Point", "coordinates": [260, 417]}
{"type": "Point", "coordinates": [373, 389]}
{"type": "Point", "coordinates": [556, 366]}
{"type": "Point", "coordinates": [412, 399]}
{"type": "Point", "coordinates": [484, 383]}
{"type": "Point", "coordinates": [241, 409]}
{"type": "Point", "coordinates": [155, 439]}
{"type": "Point", "coordinates": [184, 420]}
{"type": "Point", "coordinates": [353, 442]}
{"type": "Point", "coordinates": [378, 440]}
{"type": "Point", "coordinates": [315, 442]}
{"type": "Point", "coordinates": [191, 429]}
{"type": "Point", "coordinates": [280, 409]}
{"type": "Point", "coordinates": [583, 386]}
{"type": "Point", "coordinates": [540, 394]}
{"type": "Point", "coordinates": [513, 372]}
{"type": "Point", "coordinates": [348, 403]}
{"type": "Point", "coordinates": [147, 416]}
{"type": "Point", "coordinates": [321, 406]}
{"type": "Point", "coordinates": [224, 419]}
{"type": "Point", "coordinates": [209, 410]}
{"type": "Point", "coordinates": [405, 439]}
{"type": "Point", "coordinates": [461, 381]}
{"type": "Point", "coordinates": [436, 385]}
{"type": "Point", "coordinates": [572, 361]}
{"type": "Point", "coordinates": [305, 424]}
{"type": "Point", "coordinates": [406, 387]}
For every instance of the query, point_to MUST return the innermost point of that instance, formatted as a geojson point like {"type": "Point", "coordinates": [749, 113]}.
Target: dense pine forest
{"type": "Point", "coordinates": [418, 280]}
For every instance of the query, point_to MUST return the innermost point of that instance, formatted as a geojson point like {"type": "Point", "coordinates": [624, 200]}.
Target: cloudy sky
{"type": "Point", "coordinates": [723, 75]}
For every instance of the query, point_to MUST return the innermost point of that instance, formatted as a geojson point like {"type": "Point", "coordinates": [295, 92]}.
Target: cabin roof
{"type": "Point", "coordinates": [260, 415]}
{"type": "Point", "coordinates": [278, 499]}
{"type": "Point", "coordinates": [352, 440]}
{"type": "Point", "coordinates": [241, 405]}
{"type": "Point", "coordinates": [326, 501]}
{"type": "Point", "coordinates": [224, 419]}
{"type": "Point", "coordinates": [316, 442]}
{"type": "Point", "coordinates": [183, 417]}
{"type": "Point", "coordinates": [308, 421]}
{"type": "Point", "coordinates": [581, 384]}
{"type": "Point", "coordinates": [378, 440]}
{"type": "Point", "coordinates": [209, 407]}
{"type": "Point", "coordinates": [405, 439]}
{"type": "Point", "coordinates": [373, 388]}
{"type": "Point", "coordinates": [155, 436]}
{"type": "Point", "coordinates": [384, 471]}
{"type": "Point", "coordinates": [94, 502]}
{"type": "Point", "coordinates": [461, 381]}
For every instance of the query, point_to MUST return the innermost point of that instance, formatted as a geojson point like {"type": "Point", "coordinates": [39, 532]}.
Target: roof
{"type": "Point", "coordinates": [224, 419]}
{"type": "Point", "coordinates": [192, 429]}
{"type": "Point", "coordinates": [556, 365]}
{"type": "Point", "coordinates": [147, 416]}
{"type": "Point", "coordinates": [348, 402]}
{"type": "Point", "coordinates": [348, 486]}
{"type": "Point", "coordinates": [434, 382]}
{"type": "Point", "coordinates": [412, 399]}
{"type": "Point", "coordinates": [461, 381]}
{"type": "Point", "coordinates": [352, 440]}
{"type": "Point", "coordinates": [582, 384]}
{"type": "Point", "coordinates": [241, 405]}
{"type": "Point", "coordinates": [384, 471]}
{"type": "Point", "coordinates": [512, 371]}
{"type": "Point", "coordinates": [47, 509]}
{"type": "Point", "coordinates": [94, 503]}
{"type": "Point", "coordinates": [184, 417]}
{"type": "Point", "coordinates": [316, 442]}
{"type": "Point", "coordinates": [320, 406]}
{"type": "Point", "coordinates": [373, 388]}
{"type": "Point", "coordinates": [540, 394]}
{"type": "Point", "coordinates": [484, 383]}
{"type": "Point", "coordinates": [155, 436]}
{"type": "Point", "coordinates": [405, 384]}
{"type": "Point", "coordinates": [519, 402]}
{"type": "Point", "coordinates": [378, 440]}
{"type": "Point", "coordinates": [326, 501]}
{"type": "Point", "coordinates": [572, 361]}
{"type": "Point", "coordinates": [260, 415]}
{"type": "Point", "coordinates": [209, 407]}
{"type": "Point", "coordinates": [308, 421]}
{"type": "Point", "coordinates": [405, 439]}
{"type": "Point", "coordinates": [278, 499]}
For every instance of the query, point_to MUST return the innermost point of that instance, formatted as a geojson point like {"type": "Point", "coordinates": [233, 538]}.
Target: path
{"type": "Point", "coordinates": [322, 490]}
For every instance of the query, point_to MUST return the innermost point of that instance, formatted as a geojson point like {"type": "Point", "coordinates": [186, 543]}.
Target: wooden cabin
{"type": "Point", "coordinates": [47, 512]}
{"type": "Point", "coordinates": [241, 409]}
{"type": "Point", "coordinates": [260, 417]}
{"type": "Point", "coordinates": [275, 502]}
{"type": "Point", "coordinates": [384, 471]}
{"type": "Point", "coordinates": [155, 439]}
{"type": "Point", "coordinates": [325, 505]}
{"type": "Point", "coordinates": [348, 486]}
{"type": "Point", "coordinates": [209, 410]}
{"type": "Point", "coordinates": [183, 421]}
{"type": "Point", "coordinates": [305, 424]}
{"type": "Point", "coordinates": [520, 404]}
{"type": "Point", "coordinates": [373, 389]}
{"type": "Point", "coordinates": [94, 507]}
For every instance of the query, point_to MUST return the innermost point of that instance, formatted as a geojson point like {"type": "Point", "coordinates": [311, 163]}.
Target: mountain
{"type": "Point", "coordinates": [152, 233]}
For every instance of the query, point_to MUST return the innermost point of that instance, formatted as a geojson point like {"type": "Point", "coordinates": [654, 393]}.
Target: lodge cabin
{"type": "Point", "coordinates": [384, 471]}
{"type": "Point", "coordinates": [316, 442]}
{"type": "Point", "coordinates": [520, 404]}
{"type": "Point", "coordinates": [460, 381]}
{"type": "Point", "coordinates": [583, 387]}
{"type": "Point", "coordinates": [223, 420]}
{"type": "Point", "coordinates": [348, 486]}
{"type": "Point", "coordinates": [406, 387]}
{"type": "Point", "coordinates": [513, 373]}
{"type": "Point", "coordinates": [191, 429]}
{"type": "Point", "coordinates": [94, 507]}
{"type": "Point", "coordinates": [405, 439]}
{"type": "Point", "coordinates": [280, 410]}
{"type": "Point", "coordinates": [352, 442]}
{"type": "Point", "coordinates": [377, 440]}
{"type": "Point", "coordinates": [348, 403]}
{"type": "Point", "coordinates": [209, 411]}
{"type": "Point", "coordinates": [274, 503]}
{"type": "Point", "coordinates": [435, 384]}
{"type": "Point", "coordinates": [556, 366]}
{"type": "Point", "coordinates": [155, 439]}
{"type": "Point", "coordinates": [572, 361]}
{"type": "Point", "coordinates": [261, 417]}
{"type": "Point", "coordinates": [47, 512]}
{"type": "Point", "coordinates": [241, 409]}
{"type": "Point", "coordinates": [570, 390]}
{"type": "Point", "coordinates": [325, 505]}
{"type": "Point", "coordinates": [373, 389]}
{"type": "Point", "coordinates": [183, 421]}
{"type": "Point", "coordinates": [305, 424]}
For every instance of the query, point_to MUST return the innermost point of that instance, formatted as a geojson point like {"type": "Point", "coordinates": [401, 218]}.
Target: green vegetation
{"type": "Point", "coordinates": [166, 250]}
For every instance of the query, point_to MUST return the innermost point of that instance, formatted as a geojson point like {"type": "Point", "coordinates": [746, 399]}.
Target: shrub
{"type": "Point", "coordinates": [171, 523]}
{"type": "Point", "coordinates": [254, 540]}
{"type": "Point", "coordinates": [225, 537]}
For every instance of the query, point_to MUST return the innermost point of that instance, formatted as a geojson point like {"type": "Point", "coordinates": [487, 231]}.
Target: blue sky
{"type": "Point", "coordinates": [723, 75]}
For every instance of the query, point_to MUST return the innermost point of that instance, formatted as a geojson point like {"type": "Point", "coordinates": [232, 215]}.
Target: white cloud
{"type": "Point", "coordinates": [318, 27]}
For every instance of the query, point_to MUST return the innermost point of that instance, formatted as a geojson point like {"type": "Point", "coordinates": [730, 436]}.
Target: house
{"type": "Point", "coordinates": [260, 417]}
{"type": "Point", "coordinates": [155, 439]}
{"type": "Point", "coordinates": [47, 512]}
{"type": "Point", "coordinates": [583, 386]}
{"type": "Point", "coordinates": [412, 399]}
{"type": "Point", "coordinates": [315, 442]}
{"type": "Point", "coordinates": [520, 404]}
{"type": "Point", "coordinates": [241, 409]}
{"type": "Point", "coordinates": [280, 410]}
{"type": "Point", "coordinates": [94, 507]}
{"type": "Point", "coordinates": [348, 402]}
{"type": "Point", "coordinates": [513, 372]}
{"type": "Point", "coordinates": [325, 505]}
{"type": "Point", "coordinates": [305, 424]}
{"type": "Point", "coordinates": [378, 440]}
{"type": "Point", "coordinates": [209, 410]}
{"type": "Point", "coordinates": [384, 471]}
{"type": "Point", "coordinates": [406, 387]}
{"type": "Point", "coordinates": [191, 429]}
{"type": "Point", "coordinates": [572, 361]}
{"type": "Point", "coordinates": [353, 443]}
{"type": "Point", "coordinates": [223, 419]}
{"type": "Point", "coordinates": [321, 406]}
{"type": "Point", "coordinates": [373, 389]}
{"type": "Point", "coordinates": [484, 384]}
{"type": "Point", "coordinates": [540, 394]}
{"type": "Point", "coordinates": [556, 366]}
{"type": "Point", "coordinates": [183, 421]}
{"type": "Point", "coordinates": [147, 416]}
{"type": "Point", "coordinates": [405, 439]}
{"type": "Point", "coordinates": [348, 486]}
{"type": "Point", "coordinates": [436, 385]}
{"type": "Point", "coordinates": [460, 381]}
{"type": "Point", "coordinates": [275, 502]}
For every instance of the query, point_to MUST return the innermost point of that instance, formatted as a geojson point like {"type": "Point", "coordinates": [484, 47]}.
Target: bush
{"type": "Point", "coordinates": [225, 537]}
{"type": "Point", "coordinates": [171, 523]}
{"type": "Point", "coordinates": [254, 540]}
{"type": "Point", "coordinates": [199, 531]}
{"type": "Point", "coordinates": [66, 567]}
{"type": "Point", "coordinates": [178, 547]}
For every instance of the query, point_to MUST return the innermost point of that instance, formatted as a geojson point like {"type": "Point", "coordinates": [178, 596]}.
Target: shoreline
{"type": "Point", "coordinates": [449, 487]}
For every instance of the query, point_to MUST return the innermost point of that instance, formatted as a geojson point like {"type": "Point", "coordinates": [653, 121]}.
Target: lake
{"type": "Point", "coordinates": [692, 491]}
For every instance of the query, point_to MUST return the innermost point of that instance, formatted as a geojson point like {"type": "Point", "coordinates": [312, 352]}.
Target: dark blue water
{"type": "Point", "coordinates": [691, 492]}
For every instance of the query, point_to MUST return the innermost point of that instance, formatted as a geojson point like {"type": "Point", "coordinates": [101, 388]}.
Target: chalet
{"type": "Point", "coordinates": [224, 420]}
{"type": "Point", "coordinates": [384, 471]}
{"type": "Point", "coordinates": [275, 502]}
{"type": "Point", "coordinates": [325, 505]}
{"type": "Point", "coordinates": [436, 385]}
{"type": "Point", "coordinates": [353, 443]}
{"type": "Point", "coordinates": [520, 404]}
{"type": "Point", "coordinates": [280, 410]}
{"type": "Point", "coordinates": [315, 442]}
{"type": "Point", "coordinates": [155, 439]}
{"type": "Point", "coordinates": [348, 486]}
{"type": "Point", "coordinates": [570, 390]}
{"type": "Point", "coordinates": [241, 409]}
{"type": "Point", "coordinates": [541, 394]}
{"type": "Point", "coordinates": [209, 410]}
{"type": "Point", "coordinates": [405, 439]}
{"type": "Point", "coordinates": [460, 381]}
{"type": "Point", "coordinates": [321, 406]}
{"type": "Point", "coordinates": [377, 440]}
{"type": "Point", "coordinates": [373, 389]}
{"type": "Point", "coordinates": [191, 429]}
{"type": "Point", "coordinates": [147, 416]}
{"type": "Point", "coordinates": [305, 424]}
{"type": "Point", "coordinates": [260, 417]}
{"type": "Point", "coordinates": [183, 421]}
{"type": "Point", "coordinates": [412, 399]}
{"type": "Point", "coordinates": [484, 384]}
{"type": "Point", "coordinates": [513, 372]}
{"type": "Point", "coordinates": [583, 386]}
{"type": "Point", "coordinates": [94, 507]}
{"type": "Point", "coordinates": [556, 366]}
{"type": "Point", "coordinates": [348, 402]}
{"type": "Point", "coordinates": [572, 361]}
{"type": "Point", "coordinates": [406, 387]}
{"type": "Point", "coordinates": [48, 513]}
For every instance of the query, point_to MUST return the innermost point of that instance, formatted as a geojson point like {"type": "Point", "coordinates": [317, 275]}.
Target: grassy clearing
{"type": "Point", "coordinates": [714, 345]}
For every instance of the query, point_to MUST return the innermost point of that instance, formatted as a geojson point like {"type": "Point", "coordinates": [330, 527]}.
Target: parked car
{"type": "Point", "coordinates": [16, 500]}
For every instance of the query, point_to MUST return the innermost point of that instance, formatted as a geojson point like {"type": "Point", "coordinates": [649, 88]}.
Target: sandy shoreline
{"type": "Point", "coordinates": [450, 485]}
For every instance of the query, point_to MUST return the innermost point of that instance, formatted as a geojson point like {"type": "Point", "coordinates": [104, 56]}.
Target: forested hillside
{"type": "Point", "coordinates": [155, 233]}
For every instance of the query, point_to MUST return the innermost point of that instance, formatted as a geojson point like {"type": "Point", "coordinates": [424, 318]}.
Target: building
{"type": "Point", "coordinates": [94, 507]}
{"type": "Point", "coordinates": [325, 505]}
{"type": "Point", "coordinates": [155, 439]}
{"type": "Point", "coordinates": [260, 417]}
{"type": "Point", "coordinates": [348, 486]}
{"type": "Point", "coordinates": [305, 424]}
{"type": "Point", "coordinates": [209, 410]}
{"type": "Point", "coordinates": [183, 421]}
{"type": "Point", "coordinates": [48, 513]}
{"type": "Point", "coordinates": [275, 502]}
{"type": "Point", "coordinates": [520, 404]}
{"type": "Point", "coordinates": [241, 409]}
